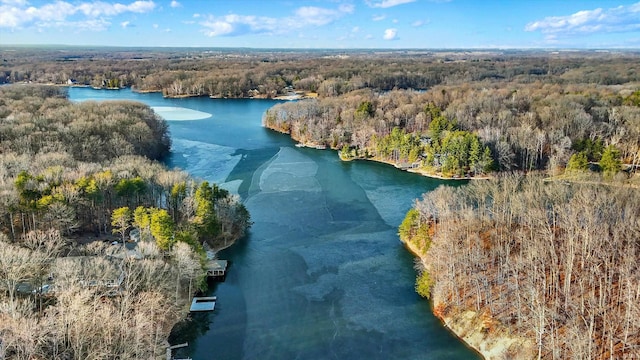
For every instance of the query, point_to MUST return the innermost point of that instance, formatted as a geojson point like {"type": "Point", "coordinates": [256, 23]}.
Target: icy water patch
{"type": "Point", "coordinates": [290, 171]}
{"type": "Point", "coordinates": [210, 162]}
{"type": "Point", "coordinates": [387, 202]}
{"type": "Point", "coordinates": [175, 113]}
{"type": "Point", "coordinates": [231, 186]}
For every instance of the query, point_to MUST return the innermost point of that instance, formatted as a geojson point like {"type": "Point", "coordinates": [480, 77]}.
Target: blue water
{"type": "Point", "coordinates": [322, 274]}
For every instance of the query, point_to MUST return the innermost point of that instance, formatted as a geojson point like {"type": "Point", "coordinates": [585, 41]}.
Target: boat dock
{"type": "Point", "coordinates": [169, 348]}
{"type": "Point", "coordinates": [207, 303]}
{"type": "Point", "coordinates": [216, 268]}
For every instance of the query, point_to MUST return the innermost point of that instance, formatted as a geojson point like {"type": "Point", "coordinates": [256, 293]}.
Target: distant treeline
{"type": "Point", "coordinates": [237, 74]}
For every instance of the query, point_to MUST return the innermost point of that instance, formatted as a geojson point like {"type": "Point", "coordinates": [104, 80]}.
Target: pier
{"type": "Point", "coordinates": [169, 348]}
{"type": "Point", "coordinates": [207, 303]}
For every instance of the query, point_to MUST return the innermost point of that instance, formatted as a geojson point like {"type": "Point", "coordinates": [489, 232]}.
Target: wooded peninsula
{"type": "Point", "coordinates": [77, 182]}
{"type": "Point", "coordinates": [540, 260]}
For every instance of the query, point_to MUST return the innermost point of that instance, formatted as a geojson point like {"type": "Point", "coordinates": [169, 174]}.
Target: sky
{"type": "Point", "coordinates": [338, 24]}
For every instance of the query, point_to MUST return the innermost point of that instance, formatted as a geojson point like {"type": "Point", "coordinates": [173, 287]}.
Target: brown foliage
{"type": "Point", "coordinates": [556, 263]}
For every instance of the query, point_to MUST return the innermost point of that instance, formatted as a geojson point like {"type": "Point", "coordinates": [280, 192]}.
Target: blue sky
{"type": "Point", "coordinates": [324, 23]}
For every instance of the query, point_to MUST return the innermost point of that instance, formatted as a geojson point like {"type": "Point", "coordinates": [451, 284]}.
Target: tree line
{"type": "Point", "coordinates": [59, 191]}
{"type": "Point", "coordinates": [557, 264]}
{"type": "Point", "coordinates": [485, 125]}
{"type": "Point", "coordinates": [237, 73]}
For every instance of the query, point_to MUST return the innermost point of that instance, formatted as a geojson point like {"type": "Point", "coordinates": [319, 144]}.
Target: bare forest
{"type": "Point", "coordinates": [237, 73]}
{"type": "Point", "coordinates": [555, 263]}
{"type": "Point", "coordinates": [101, 247]}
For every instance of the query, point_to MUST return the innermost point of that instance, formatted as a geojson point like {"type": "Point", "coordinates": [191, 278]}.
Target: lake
{"type": "Point", "coordinates": [322, 273]}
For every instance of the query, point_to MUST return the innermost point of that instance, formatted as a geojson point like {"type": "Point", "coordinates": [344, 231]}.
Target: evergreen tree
{"type": "Point", "coordinates": [162, 228]}
{"type": "Point", "coordinates": [424, 284]}
{"type": "Point", "coordinates": [205, 219]}
{"type": "Point", "coordinates": [578, 162]}
{"type": "Point", "coordinates": [610, 161]}
{"type": "Point", "coordinates": [121, 221]}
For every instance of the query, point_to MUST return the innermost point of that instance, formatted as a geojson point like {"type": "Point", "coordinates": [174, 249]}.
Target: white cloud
{"type": "Point", "coordinates": [618, 19]}
{"type": "Point", "coordinates": [99, 8]}
{"type": "Point", "coordinates": [234, 24]}
{"type": "Point", "coordinates": [388, 3]}
{"type": "Point", "coordinates": [125, 24]}
{"type": "Point", "coordinates": [90, 25]}
{"type": "Point", "coordinates": [14, 2]}
{"type": "Point", "coordinates": [316, 15]}
{"type": "Point", "coordinates": [378, 17]}
{"type": "Point", "coordinates": [419, 23]}
{"type": "Point", "coordinates": [155, 26]}
{"type": "Point", "coordinates": [140, 6]}
{"type": "Point", "coordinates": [355, 29]}
{"type": "Point", "coordinates": [175, 4]}
{"type": "Point", "coordinates": [217, 28]}
{"type": "Point", "coordinates": [77, 26]}
{"type": "Point", "coordinates": [15, 13]}
{"type": "Point", "coordinates": [13, 16]}
{"type": "Point", "coordinates": [390, 34]}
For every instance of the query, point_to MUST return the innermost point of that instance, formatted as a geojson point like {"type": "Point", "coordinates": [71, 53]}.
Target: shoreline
{"type": "Point", "coordinates": [374, 159]}
{"type": "Point", "coordinates": [418, 171]}
{"type": "Point", "coordinates": [285, 97]}
{"type": "Point", "coordinates": [415, 252]}
{"type": "Point", "coordinates": [469, 326]}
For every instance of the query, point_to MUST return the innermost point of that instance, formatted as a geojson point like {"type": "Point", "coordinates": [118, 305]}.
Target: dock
{"type": "Point", "coordinates": [216, 268]}
{"type": "Point", "coordinates": [207, 303]}
{"type": "Point", "coordinates": [169, 348]}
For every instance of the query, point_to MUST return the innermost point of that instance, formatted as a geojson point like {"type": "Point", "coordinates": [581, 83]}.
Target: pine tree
{"type": "Point", "coordinates": [610, 162]}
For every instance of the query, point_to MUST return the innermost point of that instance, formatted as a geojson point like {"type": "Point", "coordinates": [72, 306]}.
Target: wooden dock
{"type": "Point", "coordinates": [216, 268]}
{"type": "Point", "coordinates": [207, 303]}
{"type": "Point", "coordinates": [169, 348]}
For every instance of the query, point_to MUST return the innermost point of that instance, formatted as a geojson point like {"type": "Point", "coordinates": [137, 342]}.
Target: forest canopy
{"type": "Point", "coordinates": [472, 128]}
{"type": "Point", "coordinates": [78, 183]}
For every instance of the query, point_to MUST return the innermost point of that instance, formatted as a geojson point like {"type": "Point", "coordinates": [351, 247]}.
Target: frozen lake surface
{"type": "Point", "coordinates": [176, 113]}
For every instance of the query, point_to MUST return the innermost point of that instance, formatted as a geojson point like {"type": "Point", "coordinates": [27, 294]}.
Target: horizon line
{"type": "Point", "coordinates": [574, 49]}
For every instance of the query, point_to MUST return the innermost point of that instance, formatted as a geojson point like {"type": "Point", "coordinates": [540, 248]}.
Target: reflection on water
{"type": "Point", "coordinates": [322, 274]}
